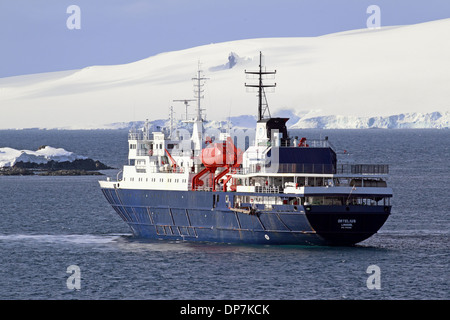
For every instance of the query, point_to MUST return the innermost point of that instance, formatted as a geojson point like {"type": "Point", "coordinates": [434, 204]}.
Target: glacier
{"type": "Point", "coordinates": [433, 120]}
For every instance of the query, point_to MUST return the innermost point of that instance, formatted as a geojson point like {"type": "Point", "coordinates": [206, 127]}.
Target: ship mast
{"type": "Point", "coordinates": [171, 122]}
{"type": "Point", "coordinates": [199, 83]}
{"type": "Point", "coordinates": [262, 107]}
{"type": "Point", "coordinates": [197, 128]}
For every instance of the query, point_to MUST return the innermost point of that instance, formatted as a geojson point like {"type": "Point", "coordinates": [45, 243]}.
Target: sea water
{"type": "Point", "coordinates": [60, 239]}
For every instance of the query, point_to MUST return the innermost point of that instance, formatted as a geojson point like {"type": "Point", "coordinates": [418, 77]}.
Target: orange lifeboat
{"type": "Point", "coordinates": [218, 155]}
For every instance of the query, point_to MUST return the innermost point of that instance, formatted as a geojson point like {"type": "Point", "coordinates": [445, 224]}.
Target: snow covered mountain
{"type": "Point", "coordinates": [392, 77]}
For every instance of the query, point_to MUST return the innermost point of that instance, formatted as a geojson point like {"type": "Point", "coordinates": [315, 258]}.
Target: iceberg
{"type": "Point", "coordinates": [9, 156]}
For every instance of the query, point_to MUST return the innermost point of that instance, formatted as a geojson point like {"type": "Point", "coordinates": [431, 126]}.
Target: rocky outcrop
{"type": "Point", "coordinates": [54, 168]}
{"type": "Point", "coordinates": [75, 172]}
{"type": "Point", "coordinates": [78, 164]}
{"type": "Point", "coordinates": [11, 171]}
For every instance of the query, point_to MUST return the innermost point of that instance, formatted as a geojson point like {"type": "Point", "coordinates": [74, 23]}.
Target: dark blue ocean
{"type": "Point", "coordinates": [51, 223]}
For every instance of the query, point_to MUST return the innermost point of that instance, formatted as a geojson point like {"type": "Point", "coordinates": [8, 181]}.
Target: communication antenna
{"type": "Point", "coordinates": [262, 106]}
{"type": "Point", "coordinates": [186, 104]}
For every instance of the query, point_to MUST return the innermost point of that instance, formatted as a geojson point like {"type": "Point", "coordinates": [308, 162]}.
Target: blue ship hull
{"type": "Point", "coordinates": [206, 216]}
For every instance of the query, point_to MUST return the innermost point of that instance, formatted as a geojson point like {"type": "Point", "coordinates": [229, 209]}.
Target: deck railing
{"type": "Point", "coordinates": [362, 168]}
{"type": "Point", "coordinates": [317, 168]}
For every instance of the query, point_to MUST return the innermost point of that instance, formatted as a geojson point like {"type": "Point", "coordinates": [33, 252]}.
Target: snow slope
{"type": "Point", "coordinates": [339, 78]}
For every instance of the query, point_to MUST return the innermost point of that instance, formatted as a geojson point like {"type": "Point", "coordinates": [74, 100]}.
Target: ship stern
{"type": "Point", "coordinates": [346, 225]}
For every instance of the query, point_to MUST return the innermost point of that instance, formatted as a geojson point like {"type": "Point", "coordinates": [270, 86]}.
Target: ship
{"type": "Point", "coordinates": [190, 185]}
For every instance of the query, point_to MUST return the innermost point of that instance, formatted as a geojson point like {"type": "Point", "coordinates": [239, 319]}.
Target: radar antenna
{"type": "Point", "coordinates": [186, 104]}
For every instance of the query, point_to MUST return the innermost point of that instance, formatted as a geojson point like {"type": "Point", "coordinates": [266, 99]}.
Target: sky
{"type": "Point", "coordinates": [35, 36]}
